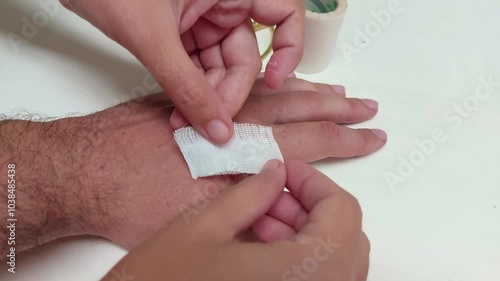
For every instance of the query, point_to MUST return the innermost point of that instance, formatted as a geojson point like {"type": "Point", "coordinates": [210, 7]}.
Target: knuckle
{"type": "Point", "coordinates": [327, 89]}
{"type": "Point", "coordinates": [312, 100]}
{"type": "Point", "coordinates": [322, 88]}
{"type": "Point", "coordinates": [165, 72]}
{"type": "Point", "coordinates": [367, 142]}
{"type": "Point", "coordinates": [184, 93]}
{"type": "Point", "coordinates": [190, 97]}
{"type": "Point", "coordinates": [303, 85]}
{"type": "Point", "coordinates": [349, 109]}
{"type": "Point", "coordinates": [353, 105]}
{"type": "Point", "coordinates": [330, 130]}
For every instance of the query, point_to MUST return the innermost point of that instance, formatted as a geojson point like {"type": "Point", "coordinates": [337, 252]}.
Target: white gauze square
{"type": "Point", "coordinates": [246, 153]}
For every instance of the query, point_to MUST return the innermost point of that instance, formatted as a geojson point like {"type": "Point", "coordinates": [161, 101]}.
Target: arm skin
{"type": "Point", "coordinates": [55, 197]}
{"type": "Point", "coordinates": [118, 173]}
{"type": "Point", "coordinates": [70, 173]}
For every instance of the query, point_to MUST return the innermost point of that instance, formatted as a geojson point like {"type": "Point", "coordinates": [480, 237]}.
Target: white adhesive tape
{"type": "Point", "coordinates": [323, 21]}
{"type": "Point", "coordinates": [246, 153]}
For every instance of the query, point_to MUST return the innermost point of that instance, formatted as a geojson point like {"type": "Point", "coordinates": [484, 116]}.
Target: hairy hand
{"type": "Point", "coordinates": [119, 173]}
{"type": "Point", "coordinates": [203, 53]}
{"type": "Point", "coordinates": [145, 179]}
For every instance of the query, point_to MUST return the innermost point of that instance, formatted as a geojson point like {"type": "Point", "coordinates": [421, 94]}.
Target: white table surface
{"type": "Point", "coordinates": [442, 223]}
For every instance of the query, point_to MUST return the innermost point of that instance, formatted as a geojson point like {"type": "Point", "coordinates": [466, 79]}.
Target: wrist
{"type": "Point", "coordinates": [53, 199]}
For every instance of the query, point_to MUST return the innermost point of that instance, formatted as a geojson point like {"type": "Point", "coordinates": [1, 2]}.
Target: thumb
{"type": "Point", "coordinates": [236, 209]}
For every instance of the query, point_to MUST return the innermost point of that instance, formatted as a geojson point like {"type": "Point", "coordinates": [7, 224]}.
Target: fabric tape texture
{"type": "Point", "coordinates": [246, 153]}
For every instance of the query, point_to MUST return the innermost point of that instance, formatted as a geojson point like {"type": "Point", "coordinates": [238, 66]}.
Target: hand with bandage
{"type": "Point", "coordinates": [203, 53]}
{"type": "Point", "coordinates": [307, 122]}
{"type": "Point", "coordinates": [119, 173]}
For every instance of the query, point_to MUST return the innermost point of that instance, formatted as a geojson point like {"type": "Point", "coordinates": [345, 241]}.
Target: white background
{"type": "Point", "coordinates": [442, 223]}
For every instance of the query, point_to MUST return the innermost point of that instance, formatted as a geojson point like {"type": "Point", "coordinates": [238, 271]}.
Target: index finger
{"type": "Point", "coordinates": [331, 209]}
{"type": "Point", "coordinates": [288, 41]}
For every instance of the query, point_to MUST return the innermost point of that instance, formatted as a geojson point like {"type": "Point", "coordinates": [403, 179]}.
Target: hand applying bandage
{"type": "Point", "coordinates": [312, 233]}
{"type": "Point", "coordinates": [203, 53]}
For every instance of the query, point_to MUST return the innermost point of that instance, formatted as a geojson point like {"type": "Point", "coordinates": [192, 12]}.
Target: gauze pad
{"type": "Point", "coordinates": [246, 153]}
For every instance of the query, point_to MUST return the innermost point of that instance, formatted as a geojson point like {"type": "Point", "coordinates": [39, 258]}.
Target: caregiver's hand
{"type": "Point", "coordinates": [321, 238]}
{"type": "Point", "coordinates": [202, 52]}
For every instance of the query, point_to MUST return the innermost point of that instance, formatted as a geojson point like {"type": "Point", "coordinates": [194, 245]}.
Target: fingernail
{"type": "Point", "coordinates": [339, 89]}
{"type": "Point", "coordinates": [370, 103]}
{"type": "Point", "coordinates": [271, 165]}
{"type": "Point", "coordinates": [380, 134]}
{"type": "Point", "coordinates": [217, 130]}
{"type": "Point", "coordinates": [272, 66]}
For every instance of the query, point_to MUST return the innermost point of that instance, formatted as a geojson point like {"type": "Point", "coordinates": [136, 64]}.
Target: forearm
{"type": "Point", "coordinates": [53, 198]}
{"type": "Point", "coordinates": [100, 174]}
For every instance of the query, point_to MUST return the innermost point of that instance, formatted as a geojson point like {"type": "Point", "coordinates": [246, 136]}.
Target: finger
{"type": "Point", "coordinates": [195, 58]}
{"type": "Point", "coordinates": [363, 261]}
{"type": "Point", "coordinates": [288, 211]}
{"type": "Point", "coordinates": [205, 34]}
{"type": "Point", "coordinates": [310, 106]}
{"type": "Point", "coordinates": [289, 85]}
{"type": "Point", "coordinates": [228, 13]}
{"type": "Point", "coordinates": [288, 40]}
{"type": "Point", "coordinates": [338, 89]}
{"type": "Point", "coordinates": [332, 211]}
{"type": "Point", "coordinates": [177, 120]}
{"type": "Point", "coordinates": [269, 229]}
{"type": "Point", "coordinates": [242, 61]}
{"type": "Point", "coordinates": [314, 141]}
{"type": "Point", "coordinates": [282, 221]}
{"type": "Point", "coordinates": [208, 37]}
{"type": "Point", "coordinates": [213, 63]}
{"type": "Point", "coordinates": [151, 33]}
{"type": "Point", "coordinates": [163, 53]}
{"type": "Point", "coordinates": [295, 85]}
{"type": "Point", "coordinates": [239, 207]}
{"type": "Point", "coordinates": [291, 75]}
{"type": "Point", "coordinates": [189, 42]}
